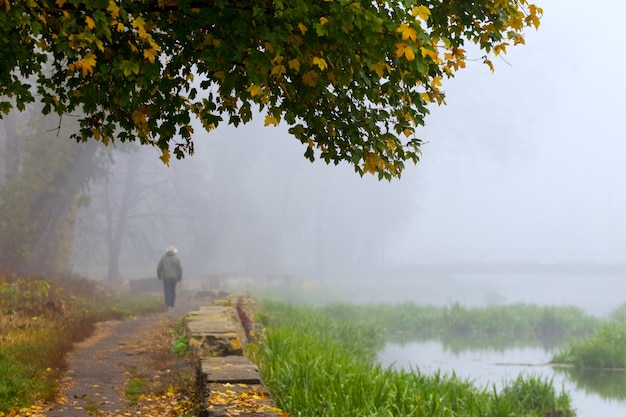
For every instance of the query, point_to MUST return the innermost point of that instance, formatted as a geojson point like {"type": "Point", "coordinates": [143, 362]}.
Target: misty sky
{"type": "Point", "coordinates": [527, 163]}
{"type": "Point", "coordinates": [522, 164]}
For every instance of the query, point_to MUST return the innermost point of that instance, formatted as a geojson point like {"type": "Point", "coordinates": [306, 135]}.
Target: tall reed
{"type": "Point", "coordinates": [320, 364]}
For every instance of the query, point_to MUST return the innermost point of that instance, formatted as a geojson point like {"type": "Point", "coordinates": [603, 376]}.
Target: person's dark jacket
{"type": "Point", "coordinates": [170, 267]}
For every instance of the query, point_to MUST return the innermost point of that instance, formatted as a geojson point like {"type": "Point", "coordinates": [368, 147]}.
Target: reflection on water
{"type": "Point", "coordinates": [610, 385]}
{"type": "Point", "coordinates": [601, 393]}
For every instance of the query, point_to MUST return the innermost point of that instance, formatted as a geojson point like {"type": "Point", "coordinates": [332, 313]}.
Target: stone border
{"type": "Point", "coordinates": [229, 384]}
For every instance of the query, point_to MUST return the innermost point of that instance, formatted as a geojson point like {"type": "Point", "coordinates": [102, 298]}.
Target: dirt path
{"type": "Point", "coordinates": [134, 350]}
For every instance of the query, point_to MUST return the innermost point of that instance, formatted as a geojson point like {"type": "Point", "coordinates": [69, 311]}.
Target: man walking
{"type": "Point", "coordinates": [170, 271]}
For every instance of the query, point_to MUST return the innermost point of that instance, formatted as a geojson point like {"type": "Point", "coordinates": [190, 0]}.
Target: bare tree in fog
{"type": "Point", "coordinates": [45, 177]}
{"type": "Point", "coordinates": [138, 209]}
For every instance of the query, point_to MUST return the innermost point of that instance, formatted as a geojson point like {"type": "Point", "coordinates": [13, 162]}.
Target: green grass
{"type": "Point", "coordinates": [603, 350]}
{"type": "Point", "coordinates": [180, 342]}
{"type": "Point", "coordinates": [320, 362]}
{"type": "Point", "coordinates": [464, 328]}
{"type": "Point", "coordinates": [135, 387]}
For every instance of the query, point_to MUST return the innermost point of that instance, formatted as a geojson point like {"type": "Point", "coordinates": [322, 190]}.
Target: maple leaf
{"type": "Point", "coordinates": [86, 64]}
{"type": "Point", "coordinates": [488, 63]}
{"type": "Point", "coordinates": [380, 68]}
{"type": "Point", "coordinates": [278, 70]}
{"type": "Point", "coordinates": [420, 11]}
{"type": "Point", "coordinates": [320, 62]}
{"type": "Point", "coordinates": [407, 32]}
{"type": "Point", "coordinates": [406, 50]}
{"type": "Point", "coordinates": [150, 54]}
{"type": "Point", "coordinates": [372, 163]}
{"type": "Point", "coordinates": [429, 53]}
{"type": "Point", "coordinates": [89, 23]}
{"type": "Point", "coordinates": [254, 90]}
{"type": "Point", "coordinates": [114, 9]}
{"type": "Point", "coordinates": [309, 78]}
{"type": "Point", "coordinates": [294, 64]}
{"type": "Point", "coordinates": [270, 120]}
{"type": "Point", "coordinates": [500, 48]}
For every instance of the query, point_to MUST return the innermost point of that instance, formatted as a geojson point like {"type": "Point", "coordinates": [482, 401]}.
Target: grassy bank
{"type": "Point", "coordinates": [41, 320]}
{"type": "Point", "coordinates": [602, 350]}
{"type": "Point", "coordinates": [458, 327]}
{"type": "Point", "coordinates": [321, 362]}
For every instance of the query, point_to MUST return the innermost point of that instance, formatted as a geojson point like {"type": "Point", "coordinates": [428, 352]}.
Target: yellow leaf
{"type": "Point", "coordinates": [139, 119]}
{"type": "Point", "coordinates": [278, 70]}
{"type": "Point", "coordinates": [407, 32]}
{"type": "Point", "coordinates": [254, 90]}
{"type": "Point", "coordinates": [113, 8]}
{"type": "Point", "coordinates": [421, 11]}
{"type": "Point", "coordinates": [150, 54]}
{"type": "Point", "coordinates": [270, 120]}
{"type": "Point", "coordinates": [436, 81]}
{"type": "Point", "coordinates": [372, 163]}
{"type": "Point", "coordinates": [378, 68]}
{"type": "Point", "coordinates": [310, 78]}
{"type": "Point", "coordinates": [60, 3]}
{"type": "Point", "coordinates": [86, 64]}
{"type": "Point", "coordinates": [500, 48]}
{"type": "Point", "coordinates": [429, 53]}
{"type": "Point", "coordinates": [488, 63]}
{"type": "Point", "coordinates": [302, 28]}
{"type": "Point", "coordinates": [406, 50]}
{"type": "Point", "coordinates": [89, 23]}
{"type": "Point", "coordinates": [320, 62]}
{"type": "Point", "coordinates": [294, 64]}
{"type": "Point", "coordinates": [323, 20]}
{"type": "Point", "coordinates": [165, 156]}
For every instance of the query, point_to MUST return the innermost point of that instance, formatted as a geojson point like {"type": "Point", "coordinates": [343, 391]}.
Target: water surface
{"type": "Point", "coordinates": [495, 367]}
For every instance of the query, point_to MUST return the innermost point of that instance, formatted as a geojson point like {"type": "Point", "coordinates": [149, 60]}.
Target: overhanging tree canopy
{"type": "Point", "coordinates": [352, 79]}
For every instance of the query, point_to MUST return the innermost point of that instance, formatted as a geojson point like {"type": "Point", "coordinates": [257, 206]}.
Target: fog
{"type": "Point", "coordinates": [521, 166]}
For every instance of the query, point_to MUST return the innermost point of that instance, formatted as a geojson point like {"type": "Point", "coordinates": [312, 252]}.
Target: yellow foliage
{"type": "Point", "coordinates": [373, 162]}
{"type": "Point", "coordinates": [488, 63]}
{"type": "Point", "coordinates": [86, 64]}
{"type": "Point", "coordinates": [407, 32]}
{"type": "Point", "coordinates": [406, 50]}
{"type": "Point", "coordinates": [310, 78]}
{"type": "Point", "coordinates": [278, 70]}
{"type": "Point", "coordinates": [89, 22]}
{"type": "Point", "coordinates": [420, 11]}
{"type": "Point", "coordinates": [270, 120]}
{"type": "Point", "coordinates": [165, 156]}
{"type": "Point", "coordinates": [500, 48]}
{"type": "Point", "coordinates": [140, 119]}
{"type": "Point", "coordinates": [150, 54]}
{"type": "Point", "coordinates": [254, 90]}
{"type": "Point", "coordinates": [302, 28]}
{"type": "Point", "coordinates": [114, 9]}
{"type": "Point", "coordinates": [430, 53]}
{"type": "Point", "coordinates": [320, 62]}
{"type": "Point", "coordinates": [380, 68]}
{"type": "Point", "coordinates": [294, 64]}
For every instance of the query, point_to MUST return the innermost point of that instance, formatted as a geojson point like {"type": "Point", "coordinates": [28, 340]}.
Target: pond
{"type": "Point", "coordinates": [593, 393]}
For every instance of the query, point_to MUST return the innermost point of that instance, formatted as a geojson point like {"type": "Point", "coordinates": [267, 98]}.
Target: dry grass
{"type": "Point", "coordinates": [41, 320]}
